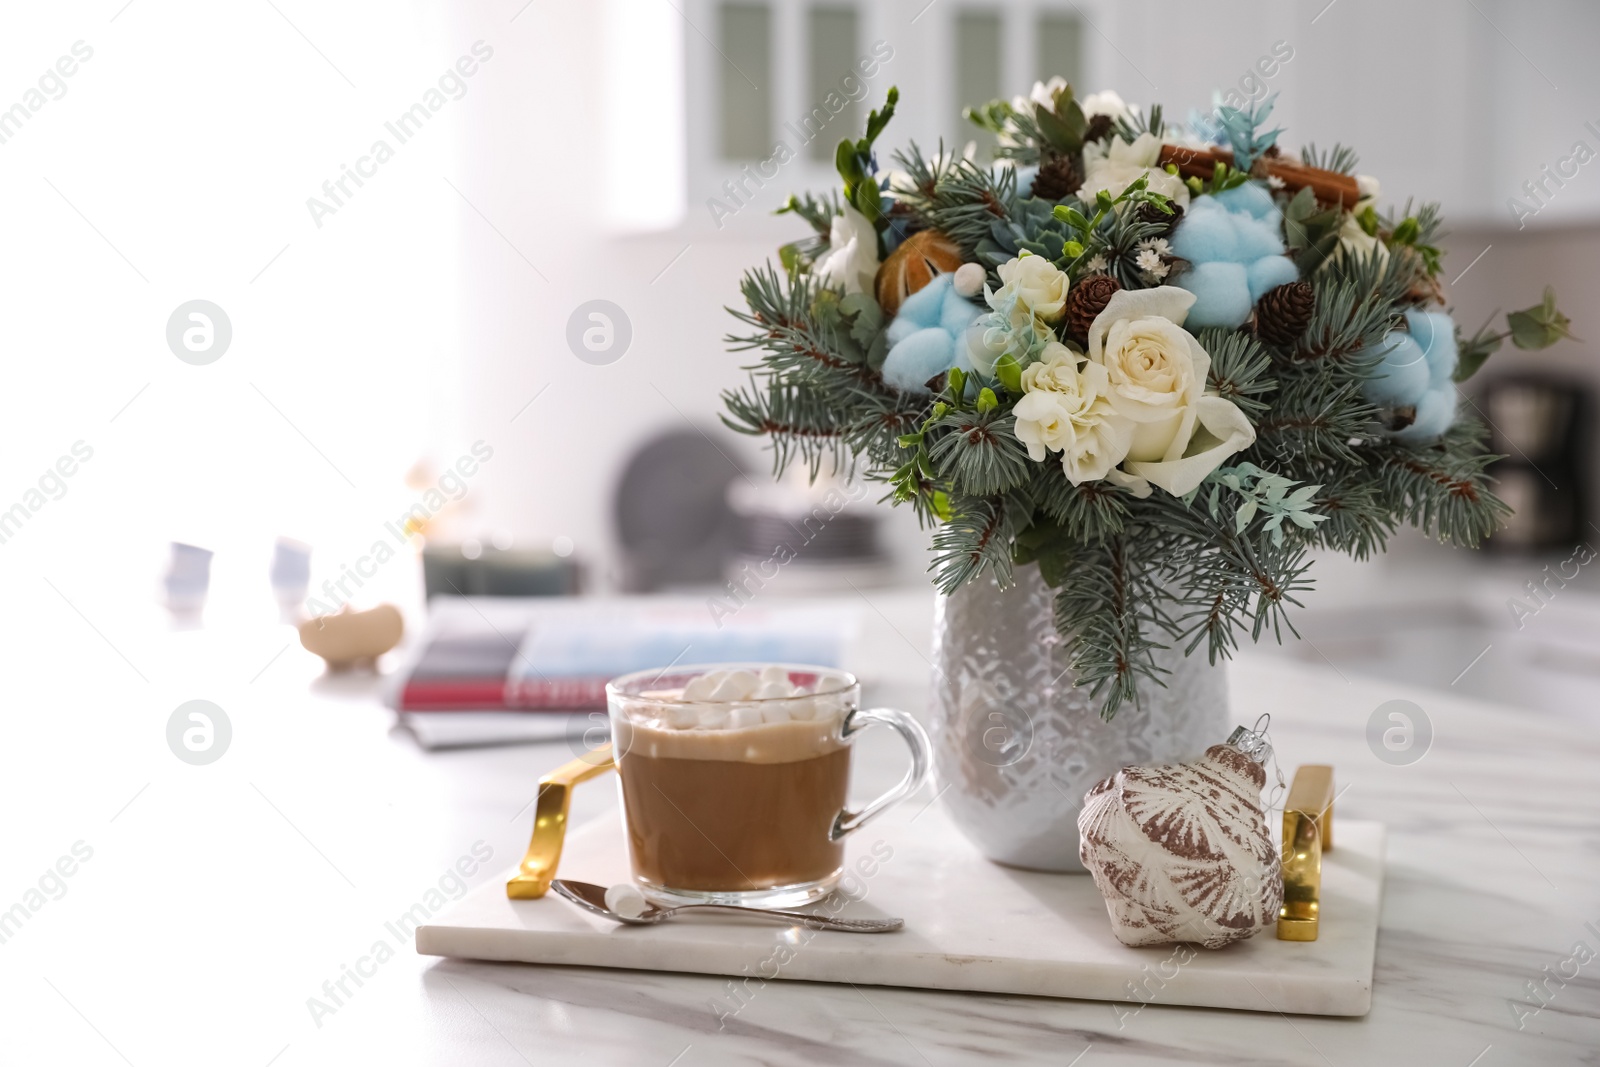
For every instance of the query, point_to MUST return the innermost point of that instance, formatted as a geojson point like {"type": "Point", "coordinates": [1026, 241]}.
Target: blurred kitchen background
{"type": "Point", "coordinates": [424, 313]}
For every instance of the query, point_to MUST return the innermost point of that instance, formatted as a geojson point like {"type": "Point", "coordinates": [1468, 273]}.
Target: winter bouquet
{"type": "Point", "coordinates": [1162, 362]}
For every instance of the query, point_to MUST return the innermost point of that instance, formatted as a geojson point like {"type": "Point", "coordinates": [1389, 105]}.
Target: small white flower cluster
{"type": "Point", "coordinates": [1152, 258]}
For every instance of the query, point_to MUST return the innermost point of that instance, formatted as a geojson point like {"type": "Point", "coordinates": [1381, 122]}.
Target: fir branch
{"type": "Point", "coordinates": [976, 540]}
{"type": "Point", "coordinates": [1107, 607]}
{"type": "Point", "coordinates": [1340, 158]}
{"type": "Point", "coordinates": [978, 453]}
{"type": "Point", "coordinates": [1441, 488]}
{"type": "Point", "coordinates": [1239, 369]}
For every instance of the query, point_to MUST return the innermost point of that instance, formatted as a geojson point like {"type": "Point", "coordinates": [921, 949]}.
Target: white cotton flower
{"type": "Point", "coordinates": [1113, 165]}
{"type": "Point", "coordinates": [1107, 103]}
{"type": "Point", "coordinates": [1150, 262]}
{"type": "Point", "coordinates": [852, 257]}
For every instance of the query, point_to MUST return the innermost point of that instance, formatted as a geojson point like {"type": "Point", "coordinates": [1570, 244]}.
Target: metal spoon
{"type": "Point", "coordinates": [592, 897]}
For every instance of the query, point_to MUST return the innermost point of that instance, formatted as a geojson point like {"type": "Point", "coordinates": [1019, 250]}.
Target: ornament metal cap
{"type": "Point", "coordinates": [1253, 742]}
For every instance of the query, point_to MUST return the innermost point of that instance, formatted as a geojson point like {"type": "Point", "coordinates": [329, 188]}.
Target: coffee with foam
{"type": "Point", "coordinates": [733, 779]}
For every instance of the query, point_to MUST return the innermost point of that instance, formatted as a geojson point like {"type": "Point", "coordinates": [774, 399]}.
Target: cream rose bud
{"type": "Point", "coordinates": [1039, 286]}
{"type": "Point", "coordinates": [1152, 381]}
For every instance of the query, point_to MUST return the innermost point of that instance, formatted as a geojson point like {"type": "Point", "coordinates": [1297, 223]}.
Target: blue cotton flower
{"type": "Point", "coordinates": [1233, 241]}
{"type": "Point", "coordinates": [928, 335]}
{"type": "Point", "coordinates": [1417, 370]}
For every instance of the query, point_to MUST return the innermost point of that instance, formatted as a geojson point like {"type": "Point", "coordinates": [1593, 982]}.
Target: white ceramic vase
{"type": "Point", "coordinates": [1017, 744]}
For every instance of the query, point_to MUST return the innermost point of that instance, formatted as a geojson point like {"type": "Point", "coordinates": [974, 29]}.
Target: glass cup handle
{"type": "Point", "coordinates": [915, 738]}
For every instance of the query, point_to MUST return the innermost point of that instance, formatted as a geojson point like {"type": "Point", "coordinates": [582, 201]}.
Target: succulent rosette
{"type": "Point", "coordinates": [1162, 363]}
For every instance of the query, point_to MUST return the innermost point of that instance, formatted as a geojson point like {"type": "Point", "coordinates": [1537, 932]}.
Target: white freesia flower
{"type": "Point", "coordinates": [1043, 94]}
{"type": "Point", "coordinates": [1038, 284]}
{"type": "Point", "coordinates": [1113, 164]}
{"type": "Point", "coordinates": [852, 257]}
{"type": "Point", "coordinates": [1064, 409]}
{"type": "Point", "coordinates": [1107, 103]}
{"type": "Point", "coordinates": [1156, 378]}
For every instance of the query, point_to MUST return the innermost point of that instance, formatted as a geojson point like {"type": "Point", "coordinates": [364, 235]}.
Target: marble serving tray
{"type": "Point", "coordinates": [970, 925]}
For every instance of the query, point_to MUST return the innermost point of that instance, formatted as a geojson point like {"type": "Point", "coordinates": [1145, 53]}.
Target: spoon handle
{"type": "Point", "coordinates": [817, 922]}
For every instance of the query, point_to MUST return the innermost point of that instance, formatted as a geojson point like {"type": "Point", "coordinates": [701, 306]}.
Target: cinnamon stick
{"type": "Point", "coordinates": [1328, 186]}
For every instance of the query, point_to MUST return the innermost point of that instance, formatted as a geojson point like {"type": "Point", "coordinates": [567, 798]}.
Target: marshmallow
{"type": "Point", "coordinates": [743, 717]}
{"type": "Point", "coordinates": [712, 719]}
{"type": "Point", "coordinates": [626, 901]}
{"type": "Point", "coordinates": [702, 687]}
{"type": "Point", "coordinates": [801, 710]}
{"type": "Point", "coordinates": [828, 683]}
{"type": "Point", "coordinates": [775, 713]}
{"type": "Point", "coordinates": [679, 716]}
{"type": "Point", "coordinates": [738, 685]}
{"type": "Point", "coordinates": [774, 690]}
{"type": "Point", "coordinates": [774, 673]}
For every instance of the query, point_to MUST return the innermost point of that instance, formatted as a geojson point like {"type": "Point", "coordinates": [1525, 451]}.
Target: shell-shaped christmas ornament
{"type": "Point", "coordinates": [920, 258]}
{"type": "Point", "coordinates": [1183, 852]}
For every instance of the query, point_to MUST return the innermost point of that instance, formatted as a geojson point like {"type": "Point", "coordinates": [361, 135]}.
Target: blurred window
{"type": "Point", "coordinates": [977, 62]}
{"type": "Point", "coordinates": [745, 32]}
{"type": "Point", "coordinates": [834, 46]}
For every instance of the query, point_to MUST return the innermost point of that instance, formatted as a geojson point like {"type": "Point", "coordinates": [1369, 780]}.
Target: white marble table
{"type": "Point", "coordinates": [219, 899]}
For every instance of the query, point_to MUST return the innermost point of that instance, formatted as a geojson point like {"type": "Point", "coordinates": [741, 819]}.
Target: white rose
{"type": "Point", "coordinates": [852, 257]}
{"type": "Point", "coordinates": [1039, 286]}
{"type": "Point", "coordinates": [1064, 409]}
{"type": "Point", "coordinates": [1113, 165]}
{"type": "Point", "coordinates": [1156, 378]}
{"type": "Point", "coordinates": [1106, 102]}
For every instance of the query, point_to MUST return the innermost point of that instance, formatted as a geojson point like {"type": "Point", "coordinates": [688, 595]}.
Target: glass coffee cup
{"type": "Point", "coordinates": [734, 779]}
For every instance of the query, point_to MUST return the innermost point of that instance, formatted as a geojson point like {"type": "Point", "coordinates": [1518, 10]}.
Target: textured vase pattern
{"type": "Point", "coordinates": [1017, 744]}
{"type": "Point", "coordinates": [1183, 852]}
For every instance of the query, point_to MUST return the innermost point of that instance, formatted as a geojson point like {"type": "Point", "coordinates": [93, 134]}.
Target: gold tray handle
{"type": "Point", "coordinates": [550, 822]}
{"type": "Point", "coordinates": [1307, 834]}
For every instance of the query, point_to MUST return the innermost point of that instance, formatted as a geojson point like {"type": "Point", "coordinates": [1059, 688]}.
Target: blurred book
{"type": "Point", "coordinates": [435, 730]}
{"type": "Point", "coordinates": [536, 654]}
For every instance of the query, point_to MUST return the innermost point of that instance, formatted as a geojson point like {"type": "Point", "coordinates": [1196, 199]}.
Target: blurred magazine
{"type": "Point", "coordinates": [521, 659]}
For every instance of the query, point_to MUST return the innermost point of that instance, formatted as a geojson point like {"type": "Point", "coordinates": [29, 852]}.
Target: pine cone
{"type": "Point", "coordinates": [1086, 300]}
{"type": "Point", "coordinates": [1283, 313]}
{"type": "Point", "coordinates": [1148, 212]}
{"type": "Point", "coordinates": [1099, 128]}
{"type": "Point", "coordinates": [1057, 179]}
